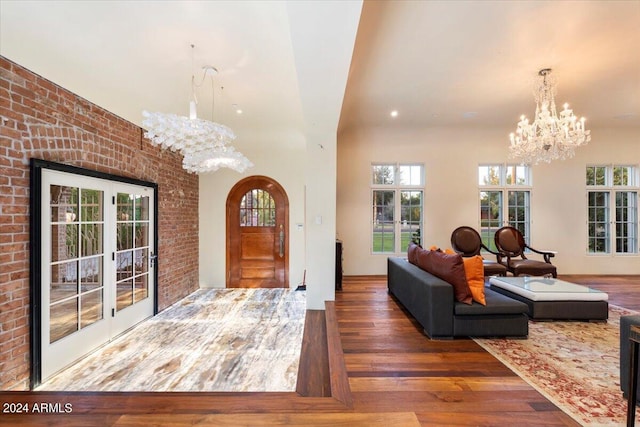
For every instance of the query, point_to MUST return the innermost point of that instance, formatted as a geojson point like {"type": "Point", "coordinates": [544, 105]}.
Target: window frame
{"type": "Point", "coordinates": [506, 188]}
{"type": "Point", "coordinates": [612, 190]}
{"type": "Point", "coordinates": [399, 190]}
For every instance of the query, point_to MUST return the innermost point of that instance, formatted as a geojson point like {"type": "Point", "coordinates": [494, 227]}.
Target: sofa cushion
{"type": "Point", "coordinates": [424, 261]}
{"type": "Point", "coordinates": [496, 304]}
{"type": "Point", "coordinates": [412, 253]}
{"type": "Point", "coordinates": [451, 269]}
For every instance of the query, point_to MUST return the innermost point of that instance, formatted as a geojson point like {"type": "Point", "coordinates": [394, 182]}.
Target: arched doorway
{"type": "Point", "coordinates": [257, 234]}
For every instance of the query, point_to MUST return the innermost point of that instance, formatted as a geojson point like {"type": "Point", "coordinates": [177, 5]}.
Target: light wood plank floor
{"type": "Point", "coordinates": [397, 376]}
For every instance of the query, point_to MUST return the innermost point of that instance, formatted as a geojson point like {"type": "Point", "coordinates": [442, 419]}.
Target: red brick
{"type": "Point", "coordinates": [49, 122]}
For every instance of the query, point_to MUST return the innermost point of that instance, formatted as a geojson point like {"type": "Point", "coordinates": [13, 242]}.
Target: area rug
{"type": "Point", "coordinates": [231, 340]}
{"type": "Point", "coordinates": [575, 365]}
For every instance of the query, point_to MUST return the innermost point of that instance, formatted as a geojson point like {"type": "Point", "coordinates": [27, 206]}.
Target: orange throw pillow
{"type": "Point", "coordinates": [474, 270]}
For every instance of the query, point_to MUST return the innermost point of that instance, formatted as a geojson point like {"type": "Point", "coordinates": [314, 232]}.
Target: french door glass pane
{"type": "Point", "coordinates": [141, 265]}
{"type": "Point", "coordinates": [91, 203]}
{"type": "Point", "coordinates": [141, 287]}
{"type": "Point", "coordinates": [64, 281]}
{"type": "Point", "coordinates": [598, 221]}
{"type": "Point", "coordinates": [91, 303]}
{"type": "Point", "coordinates": [64, 204]}
{"type": "Point", "coordinates": [124, 207]}
{"type": "Point", "coordinates": [490, 216]}
{"type": "Point", "coordinates": [518, 211]}
{"type": "Point", "coordinates": [383, 221]}
{"type": "Point", "coordinates": [626, 220]}
{"type": "Point", "coordinates": [410, 217]}
{"type": "Point", "coordinates": [125, 236]}
{"type": "Point", "coordinates": [91, 239]}
{"type": "Point", "coordinates": [63, 319]}
{"type": "Point", "coordinates": [90, 274]}
{"type": "Point", "coordinates": [142, 234]}
{"type": "Point", "coordinates": [124, 294]}
{"type": "Point", "coordinates": [64, 242]}
{"type": "Point", "coordinates": [142, 208]}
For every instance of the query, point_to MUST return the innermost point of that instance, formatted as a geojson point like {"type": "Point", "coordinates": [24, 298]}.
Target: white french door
{"type": "Point", "coordinates": [96, 261]}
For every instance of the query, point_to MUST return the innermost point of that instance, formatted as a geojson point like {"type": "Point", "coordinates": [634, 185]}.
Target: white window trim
{"type": "Point", "coordinates": [397, 188]}
{"type": "Point", "coordinates": [505, 189]}
{"type": "Point", "coordinates": [611, 188]}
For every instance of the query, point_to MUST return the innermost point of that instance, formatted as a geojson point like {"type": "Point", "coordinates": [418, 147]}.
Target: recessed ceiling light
{"type": "Point", "coordinates": [470, 114]}
{"type": "Point", "coordinates": [394, 113]}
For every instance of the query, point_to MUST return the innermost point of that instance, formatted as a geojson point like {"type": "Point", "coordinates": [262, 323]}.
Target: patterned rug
{"type": "Point", "coordinates": [575, 365]}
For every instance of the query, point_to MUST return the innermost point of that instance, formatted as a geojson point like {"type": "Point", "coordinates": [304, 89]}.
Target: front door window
{"type": "Point", "coordinates": [257, 209]}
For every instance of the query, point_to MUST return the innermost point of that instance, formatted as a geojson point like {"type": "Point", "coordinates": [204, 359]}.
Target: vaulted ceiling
{"type": "Point", "coordinates": [439, 63]}
{"type": "Point", "coordinates": [472, 63]}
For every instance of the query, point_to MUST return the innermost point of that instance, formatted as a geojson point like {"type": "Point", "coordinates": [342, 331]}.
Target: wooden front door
{"type": "Point", "coordinates": [257, 234]}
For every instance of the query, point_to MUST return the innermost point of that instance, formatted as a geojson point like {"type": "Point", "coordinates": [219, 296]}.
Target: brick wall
{"type": "Point", "coordinates": [42, 120]}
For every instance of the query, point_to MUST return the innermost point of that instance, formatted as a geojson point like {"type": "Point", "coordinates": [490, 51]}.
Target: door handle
{"type": "Point", "coordinates": [153, 258]}
{"type": "Point", "coordinates": [281, 241]}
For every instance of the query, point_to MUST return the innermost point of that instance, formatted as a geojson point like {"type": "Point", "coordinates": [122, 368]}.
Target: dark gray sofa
{"type": "Point", "coordinates": [625, 325]}
{"type": "Point", "coordinates": [431, 302]}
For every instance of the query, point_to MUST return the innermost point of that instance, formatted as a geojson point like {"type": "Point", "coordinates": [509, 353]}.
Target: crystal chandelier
{"type": "Point", "coordinates": [549, 137]}
{"type": "Point", "coordinates": [212, 159]}
{"type": "Point", "coordinates": [205, 145]}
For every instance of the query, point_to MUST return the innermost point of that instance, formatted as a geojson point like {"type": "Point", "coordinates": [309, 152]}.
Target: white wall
{"type": "Point", "coordinates": [303, 161]}
{"type": "Point", "coordinates": [280, 156]}
{"type": "Point", "coordinates": [451, 157]}
{"type": "Point", "coordinates": [321, 219]}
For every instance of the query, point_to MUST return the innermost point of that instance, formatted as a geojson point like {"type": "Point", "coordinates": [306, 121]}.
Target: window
{"type": "Point", "coordinates": [257, 209]}
{"type": "Point", "coordinates": [499, 183]}
{"type": "Point", "coordinates": [612, 209]}
{"type": "Point", "coordinates": [397, 206]}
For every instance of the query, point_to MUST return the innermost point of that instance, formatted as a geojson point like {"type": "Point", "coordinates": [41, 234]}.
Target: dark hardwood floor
{"type": "Point", "coordinates": [395, 376]}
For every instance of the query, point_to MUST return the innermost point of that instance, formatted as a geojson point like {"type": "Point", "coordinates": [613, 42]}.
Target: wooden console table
{"type": "Point", "coordinates": [338, 265]}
